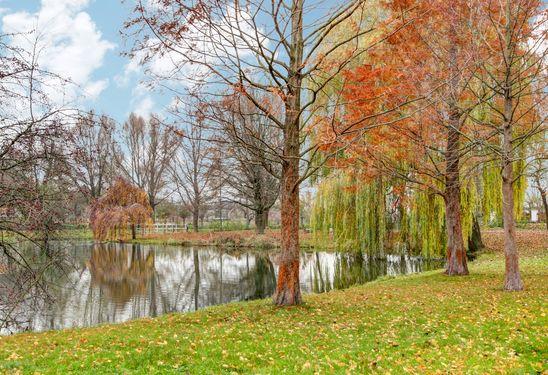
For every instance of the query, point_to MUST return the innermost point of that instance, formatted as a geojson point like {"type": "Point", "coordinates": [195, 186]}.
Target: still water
{"type": "Point", "coordinates": [112, 283]}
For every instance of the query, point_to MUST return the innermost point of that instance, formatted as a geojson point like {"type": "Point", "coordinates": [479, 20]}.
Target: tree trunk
{"type": "Point", "coordinates": [512, 279]}
{"type": "Point", "coordinates": [475, 242]}
{"type": "Point", "coordinates": [544, 203]}
{"type": "Point", "coordinates": [288, 290]}
{"type": "Point", "coordinates": [260, 221]}
{"type": "Point", "coordinates": [456, 252]}
{"type": "Point", "coordinates": [196, 278]}
{"type": "Point", "coordinates": [133, 232]}
{"type": "Point", "coordinates": [195, 219]}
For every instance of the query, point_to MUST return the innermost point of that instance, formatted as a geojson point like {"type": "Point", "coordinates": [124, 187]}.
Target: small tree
{"type": "Point", "coordinates": [123, 206]}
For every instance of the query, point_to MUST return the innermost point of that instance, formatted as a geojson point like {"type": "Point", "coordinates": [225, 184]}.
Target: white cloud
{"type": "Point", "coordinates": [68, 42]}
{"type": "Point", "coordinates": [144, 107]}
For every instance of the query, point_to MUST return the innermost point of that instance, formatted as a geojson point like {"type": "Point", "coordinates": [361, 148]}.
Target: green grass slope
{"type": "Point", "coordinates": [426, 323]}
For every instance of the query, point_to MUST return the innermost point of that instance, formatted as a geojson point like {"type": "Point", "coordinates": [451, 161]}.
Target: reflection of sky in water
{"type": "Point", "coordinates": [114, 283]}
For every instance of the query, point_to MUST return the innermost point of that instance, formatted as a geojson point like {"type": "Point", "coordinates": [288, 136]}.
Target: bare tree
{"type": "Point", "coordinates": [32, 172]}
{"type": "Point", "coordinates": [191, 171]}
{"type": "Point", "coordinates": [252, 47]}
{"type": "Point", "coordinates": [251, 174]}
{"type": "Point", "coordinates": [93, 151]}
{"type": "Point", "coordinates": [148, 149]}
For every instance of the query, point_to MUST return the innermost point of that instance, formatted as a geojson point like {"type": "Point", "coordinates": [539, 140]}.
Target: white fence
{"type": "Point", "coordinates": [162, 228]}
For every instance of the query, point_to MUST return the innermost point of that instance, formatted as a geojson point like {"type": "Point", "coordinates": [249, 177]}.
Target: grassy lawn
{"type": "Point", "coordinates": [421, 323]}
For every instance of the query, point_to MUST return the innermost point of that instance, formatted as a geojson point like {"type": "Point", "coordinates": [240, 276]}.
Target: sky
{"type": "Point", "coordinates": [82, 41]}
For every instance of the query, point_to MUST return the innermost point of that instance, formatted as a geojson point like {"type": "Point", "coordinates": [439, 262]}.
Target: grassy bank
{"type": "Point", "coordinates": [234, 239]}
{"type": "Point", "coordinates": [420, 323]}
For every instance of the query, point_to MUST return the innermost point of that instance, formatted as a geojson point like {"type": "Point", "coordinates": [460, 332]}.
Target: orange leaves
{"type": "Point", "coordinates": [122, 205]}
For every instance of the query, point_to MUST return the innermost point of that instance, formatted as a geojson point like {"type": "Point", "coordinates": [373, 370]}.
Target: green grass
{"type": "Point", "coordinates": [422, 323]}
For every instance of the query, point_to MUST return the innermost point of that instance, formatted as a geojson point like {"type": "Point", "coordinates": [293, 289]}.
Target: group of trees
{"type": "Point", "coordinates": [417, 96]}
{"type": "Point", "coordinates": [415, 108]}
{"type": "Point", "coordinates": [176, 162]}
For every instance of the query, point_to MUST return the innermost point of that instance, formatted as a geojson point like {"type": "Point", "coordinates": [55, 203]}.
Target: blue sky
{"type": "Point", "coordinates": [109, 80]}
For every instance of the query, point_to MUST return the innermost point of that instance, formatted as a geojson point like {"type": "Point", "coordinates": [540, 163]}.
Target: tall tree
{"type": "Point", "coordinates": [514, 78]}
{"type": "Point", "coordinates": [149, 150]}
{"type": "Point", "coordinates": [424, 147]}
{"type": "Point", "coordinates": [32, 169]}
{"type": "Point", "coordinates": [191, 170]}
{"type": "Point", "coordinates": [93, 151]}
{"type": "Point", "coordinates": [242, 134]}
{"type": "Point", "coordinates": [254, 47]}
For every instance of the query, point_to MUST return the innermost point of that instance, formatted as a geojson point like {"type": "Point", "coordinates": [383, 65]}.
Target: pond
{"type": "Point", "coordinates": [112, 283]}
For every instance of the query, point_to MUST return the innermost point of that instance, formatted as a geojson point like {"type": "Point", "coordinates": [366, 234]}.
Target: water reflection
{"type": "Point", "coordinates": [116, 282]}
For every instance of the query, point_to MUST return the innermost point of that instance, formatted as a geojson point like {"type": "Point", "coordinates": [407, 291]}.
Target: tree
{"type": "Point", "coordinates": [93, 154]}
{"type": "Point", "coordinates": [150, 149]}
{"type": "Point", "coordinates": [424, 148]}
{"type": "Point", "coordinates": [191, 171]}
{"type": "Point", "coordinates": [538, 176]}
{"type": "Point", "coordinates": [123, 206]}
{"type": "Point", "coordinates": [242, 135]}
{"type": "Point", "coordinates": [255, 47]}
{"type": "Point", "coordinates": [513, 77]}
{"type": "Point", "coordinates": [32, 170]}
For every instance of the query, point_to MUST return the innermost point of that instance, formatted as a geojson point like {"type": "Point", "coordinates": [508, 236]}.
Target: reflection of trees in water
{"type": "Point", "coordinates": [263, 277]}
{"type": "Point", "coordinates": [121, 272]}
{"type": "Point", "coordinates": [118, 282]}
{"type": "Point", "coordinates": [149, 283]}
{"type": "Point", "coordinates": [30, 281]}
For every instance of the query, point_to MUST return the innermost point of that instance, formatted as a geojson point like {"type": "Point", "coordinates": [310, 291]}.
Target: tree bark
{"type": "Point", "coordinates": [475, 242]}
{"type": "Point", "coordinates": [195, 219]}
{"type": "Point", "coordinates": [512, 278]}
{"type": "Point", "coordinates": [456, 252]}
{"type": "Point", "coordinates": [260, 221]}
{"type": "Point", "coordinates": [133, 232]}
{"type": "Point", "coordinates": [196, 278]}
{"type": "Point", "coordinates": [288, 291]}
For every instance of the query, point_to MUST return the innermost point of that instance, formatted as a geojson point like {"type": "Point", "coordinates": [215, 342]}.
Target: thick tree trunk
{"type": "Point", "coordinates": [133, 232]}
{"type": "Point", "coordinates": [456, 252]}
{"type": "Point", "coordinates": [288, 290]}
{"type": "Point", "coordinates": [260, 221]}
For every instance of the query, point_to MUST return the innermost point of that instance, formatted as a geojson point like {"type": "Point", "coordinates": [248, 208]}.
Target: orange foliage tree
{"type": "Point", "coordinates": [424, 144]}
{"type": "Point", "coordinates": [122, 207]}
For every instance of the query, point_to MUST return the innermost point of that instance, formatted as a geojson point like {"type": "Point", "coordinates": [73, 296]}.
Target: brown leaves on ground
{"type": "Point", "coordinates": [529, 241]}
{"type": "Point", "coordinates": [241, 238]}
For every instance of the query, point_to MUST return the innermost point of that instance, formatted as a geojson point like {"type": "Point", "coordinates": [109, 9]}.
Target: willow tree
{"type": "Point", "coordinates": [255, 48]}
{"type": "Point", "coordinates": [121, 208]}
{"type": "Point", "coordinates": [426, 144]}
